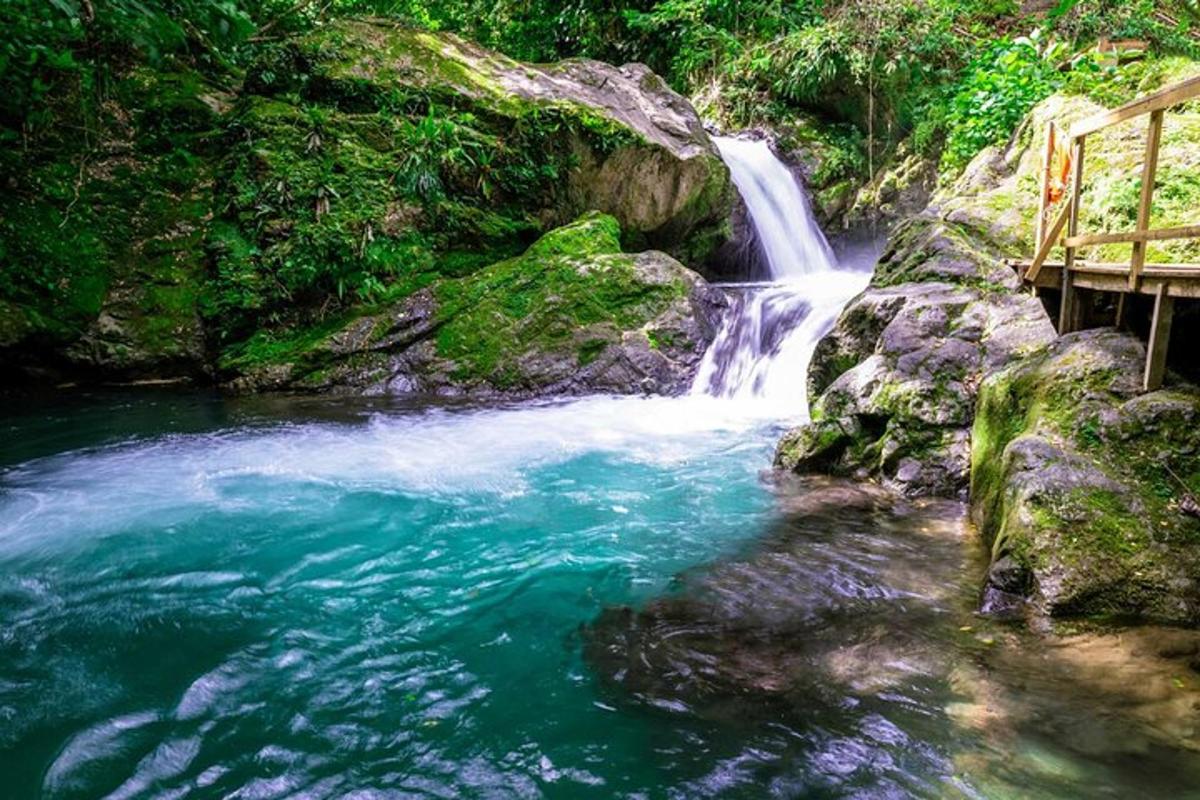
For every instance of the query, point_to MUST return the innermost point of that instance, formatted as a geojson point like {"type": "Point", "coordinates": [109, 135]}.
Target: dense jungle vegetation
{"type": "Point", "coordinates": [958, 74]}
{"type": "Point", "coordinates": [149, 85]}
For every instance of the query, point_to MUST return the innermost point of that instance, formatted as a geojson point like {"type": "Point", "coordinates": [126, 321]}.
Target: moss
{"type": "Point", "coordinates": [84, 229]}
{"type": "Point", "coordinates": [572, 278]}
{"type": "Point", "coordinates": [1088, 501]}
{"type": "Point", "coordinates": [590, 350]}
{"type": "Point", "coordinates": [303, 346]}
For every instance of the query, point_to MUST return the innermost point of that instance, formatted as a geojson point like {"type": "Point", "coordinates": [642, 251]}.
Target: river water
{"type": "Point", "coordinates": [599, 597]}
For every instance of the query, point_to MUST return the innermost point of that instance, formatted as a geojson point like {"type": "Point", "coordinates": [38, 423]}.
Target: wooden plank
{"type": "Point", "coordinates": [1048, 244]}
{"type": "Point", "coordinates": [1160, 337]}
{"type": "Point", "coordinates": [1083, 263]}
{"type": "Point", "coordinates": [1051, 278]}
{"type": "Point", "coordinates": [1159, 235]}
{"type": "Point", "coordinates": [1119, 318]}
{"type": "Point", "coordinates": [1162, 99]}
{"type": "Point", "coordinates": [1044, 191]}
{"type": "Point", "coordinates": [1149, 170]}
{"type": "Point", "coordinates": [1066, 309]}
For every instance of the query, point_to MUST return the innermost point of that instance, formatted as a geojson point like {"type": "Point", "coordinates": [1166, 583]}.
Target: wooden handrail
{"type": "Point", "coordinates": [1048, 242]}
{"type": "Point", "coordinates": [1159, 280]}
{"type": "Point", "coordinates": [1160, 100]}
{"type": "Point", "coordinates": [1159, 235]}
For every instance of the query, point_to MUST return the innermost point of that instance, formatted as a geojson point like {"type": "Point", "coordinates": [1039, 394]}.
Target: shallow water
{"type": "Point", "coordinates": [276, 598]}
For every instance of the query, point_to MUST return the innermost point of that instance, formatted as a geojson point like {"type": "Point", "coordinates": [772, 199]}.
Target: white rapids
{"type": "Point", "coordinates": [761, 354]}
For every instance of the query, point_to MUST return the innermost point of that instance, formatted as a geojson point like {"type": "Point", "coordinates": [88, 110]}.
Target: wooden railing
{"type": "Point", "coordinates": [1067, 220]}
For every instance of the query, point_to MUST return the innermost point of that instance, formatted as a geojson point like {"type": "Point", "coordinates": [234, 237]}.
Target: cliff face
{"type": "Point", "coordinates": [223, 232]}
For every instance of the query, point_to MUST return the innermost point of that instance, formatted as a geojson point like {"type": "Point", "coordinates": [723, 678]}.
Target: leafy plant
{"type": "Point", "coordinates": [998, 91]}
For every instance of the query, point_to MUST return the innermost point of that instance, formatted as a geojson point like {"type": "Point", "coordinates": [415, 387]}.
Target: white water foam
{"type": "Point", "coordinates": [761, 354]}
{"type": "Point", "coordinates": [753, 374]}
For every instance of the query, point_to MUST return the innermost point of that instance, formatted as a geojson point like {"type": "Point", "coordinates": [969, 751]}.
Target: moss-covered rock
{"type": "Point", "coordinates": [356, 167]}
{"type": "Point", "coordinates": [998, 192]}
{"type": "Point", "coordinates": [101, 257]}
{"type": "Point", "coordinates": [1077, 479]}
{"type": "Point", "coordinates": [894, 382]}
{"type": "Point", "coordinates": [572, 314]}
{"type": "Point", "coordinates": [367, 153]}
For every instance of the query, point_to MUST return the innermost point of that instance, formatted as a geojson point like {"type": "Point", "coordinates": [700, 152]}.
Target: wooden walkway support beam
{"type": "Point", "coordinates": [1160, 335]}
{"type": "Point", "coordinates": [1067, 307]}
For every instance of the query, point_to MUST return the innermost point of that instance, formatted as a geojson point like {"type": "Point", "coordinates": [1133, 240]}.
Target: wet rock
{"type": "Point", "coordinates": [755, 628]}
{"type": "Point", "coordinates": [896, 379]}
{"type": "Point", "coordinates": [1074, 483]}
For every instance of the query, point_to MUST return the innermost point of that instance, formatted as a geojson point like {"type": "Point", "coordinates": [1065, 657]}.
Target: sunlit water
{"type": "Point", "coordinates": [328, 600]}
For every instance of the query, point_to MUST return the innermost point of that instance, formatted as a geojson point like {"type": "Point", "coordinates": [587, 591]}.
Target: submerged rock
{"type": "Point", "coordinates": [848, 633]}
{"type": "Point", "coordinates": [895, 380]}
{"type": "Point", "coordinates": [1077, 481]}
{"type": "Point", "coordinates": [573, 314]}
{"type": "Point", "coordinates": [882, 573]}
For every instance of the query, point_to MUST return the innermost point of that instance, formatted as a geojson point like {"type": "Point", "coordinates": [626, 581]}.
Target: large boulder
{"type": "Point", "coordinates": [573, 314]}
{"type": "Point", "coordinates": [894, 382]}
{"type": "Point", "coordinates": [1079, 485]}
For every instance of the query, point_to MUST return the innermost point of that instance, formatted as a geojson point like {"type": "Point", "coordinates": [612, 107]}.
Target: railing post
{"type": "Point", "coordinates": [1044, 196]}
{"type": "Point", "coordinates": [1160, 336]}
{"type": "Point", "coordinates": [1149, 169]}
{"type": "Point", "coordinates": [1066, 311]}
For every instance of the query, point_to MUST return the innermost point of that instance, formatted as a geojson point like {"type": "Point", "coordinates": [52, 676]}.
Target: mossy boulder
{"type": "Point", "coordinates": [1078, 481]}
{"type": "Point", "coordinates": [894, 382]}
{"type": "Point", "coordinates": [572, 314]}
{"type": "Point", "coordinates": [354, 167]}
{"type": "Point", "coordinates": [998, 192]}
{"type": "Point", "coordinates": [449, 147]}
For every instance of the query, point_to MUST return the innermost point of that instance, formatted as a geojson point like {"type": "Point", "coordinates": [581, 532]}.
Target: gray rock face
{"type": "Point", "coordinates": [661, 176]}
{"type": "Point", "coordinates": [895, 381]}
{"type": "Point", "coordinates": [1078, 484]}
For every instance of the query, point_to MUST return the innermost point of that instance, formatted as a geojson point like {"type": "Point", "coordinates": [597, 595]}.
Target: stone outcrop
{"type": "Point", "coordinates": [894, 383]}
{"type": "Point", "coordinates": [363, 166]}
{"type": "Point", "coordinates": [573, 314]}
{"type": "Point", "coordinates": [1080, 485]}
{"type": "Point", "coordinates": [620, 140]}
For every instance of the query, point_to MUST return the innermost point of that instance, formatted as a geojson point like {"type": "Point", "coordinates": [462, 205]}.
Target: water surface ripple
{"type": "Point", "coordinates": [599, 598]}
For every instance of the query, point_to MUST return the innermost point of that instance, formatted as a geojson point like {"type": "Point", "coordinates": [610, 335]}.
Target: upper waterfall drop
{"type": "Point", "coordinates": [779, 209]}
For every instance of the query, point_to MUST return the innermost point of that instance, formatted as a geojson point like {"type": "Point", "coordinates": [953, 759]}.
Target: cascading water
{"type": "Point", "coordinates": [762, 351]}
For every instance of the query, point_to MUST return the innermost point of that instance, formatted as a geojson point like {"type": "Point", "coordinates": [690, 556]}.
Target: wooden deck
{"type": "Point", "coordinates": [1163, 282]}
{"type": "Point", "coordinates": [1181, 280]}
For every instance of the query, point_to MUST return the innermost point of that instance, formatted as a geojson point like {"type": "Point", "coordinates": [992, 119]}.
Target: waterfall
{"type": "Point", "coordinates": [762, 352]}
{"type": "Point", "coordinates": [779, 208]}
